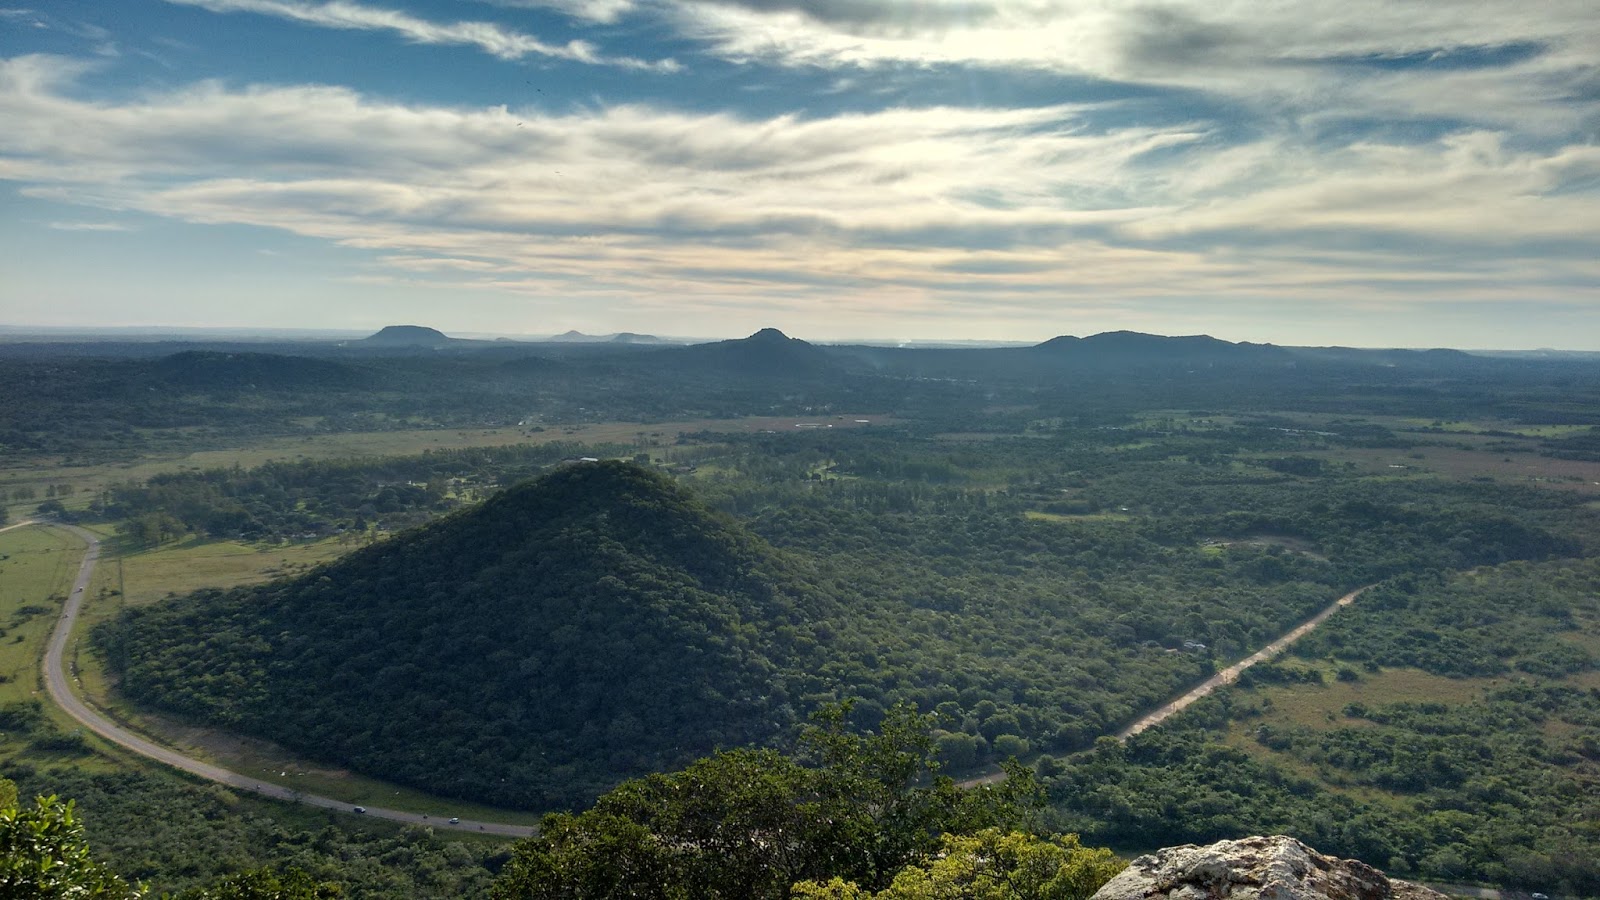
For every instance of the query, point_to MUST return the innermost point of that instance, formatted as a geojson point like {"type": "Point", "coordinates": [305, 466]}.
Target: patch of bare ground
{"type": "Point", "coordinates": [1508, 467]}
{"type": "Point", "coordinates": [231, 750]}
{"type": "Point", "coordinates": [1292, 544]}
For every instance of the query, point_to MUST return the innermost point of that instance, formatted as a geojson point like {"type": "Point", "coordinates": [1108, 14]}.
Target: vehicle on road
{"type": "Point", "coordinates": [454, 821]}
{"type": "Point", "coordinates": [360, 809]}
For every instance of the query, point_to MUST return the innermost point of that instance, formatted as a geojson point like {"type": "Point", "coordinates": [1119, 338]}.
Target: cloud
{"type": "Point", "coordinates": [489, 37]}
{"type": "Point", "coordinates": [88, 226]}
{"type": "Point", "coordinates": [1480, 61]}
{"type": "Point", "coordinates": [602, 11]}
{"type": "Point", "coordinates": [896, 211]}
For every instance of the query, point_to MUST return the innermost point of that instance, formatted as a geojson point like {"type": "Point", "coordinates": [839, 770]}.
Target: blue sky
{"type": "Point", "coordinates": [1365, 173]}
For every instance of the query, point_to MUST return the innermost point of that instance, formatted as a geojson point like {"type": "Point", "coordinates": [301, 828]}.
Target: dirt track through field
{"type": "Point", "coordinates": [1231, 673]}
{"type": "Point", "coordinates": [1226, 676]}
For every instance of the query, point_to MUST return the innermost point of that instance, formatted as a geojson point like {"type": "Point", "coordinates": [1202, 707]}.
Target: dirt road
{"type": "Point", "coordinates": [56, 681]}
{"type": "Point", "coordinates": [1231, 673]}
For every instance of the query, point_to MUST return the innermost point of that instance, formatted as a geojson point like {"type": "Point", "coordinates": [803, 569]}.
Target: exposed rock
{"type": "Point", "coordinates": [1269, 868]}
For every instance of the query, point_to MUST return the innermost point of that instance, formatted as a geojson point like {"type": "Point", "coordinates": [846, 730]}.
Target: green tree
{"type": "Point", "coordinates": [43, 854]}
{"type": "Point", "coordinates": [751, 823]}
{"type": "Point", "coordinates": [264, 884]}
{"type": "Point", "coordinates": [989, 865]}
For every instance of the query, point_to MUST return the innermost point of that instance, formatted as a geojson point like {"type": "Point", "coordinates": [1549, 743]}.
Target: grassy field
{"type": "Point", "coordinates": [1319, 708]}
{"type": "Point", "coordinates": [36, 569]}
{"type": "Point", "coordinates": [37, 566]}
{"type": "Point", "coordinates": [1456, 462]}
{"type": "Point", "coordinates": [1085, 517]}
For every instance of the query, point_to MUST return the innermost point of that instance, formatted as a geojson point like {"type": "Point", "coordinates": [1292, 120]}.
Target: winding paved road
{"type": "Point", "coordinates": [1231, 673]}
{"type": "Point", "coordinates": [56, 682]}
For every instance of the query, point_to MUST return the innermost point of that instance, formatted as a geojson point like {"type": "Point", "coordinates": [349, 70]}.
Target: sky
{"type": "Point", "coordinates": [1366, 173]}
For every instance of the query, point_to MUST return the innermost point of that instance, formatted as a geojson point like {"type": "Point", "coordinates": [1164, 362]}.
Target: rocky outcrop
{"type": "Point", "coordinates": [1269, 868]}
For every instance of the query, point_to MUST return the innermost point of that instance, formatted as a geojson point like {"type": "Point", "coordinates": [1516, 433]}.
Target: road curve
{"type": "Point", "coordinates": [56, 681]}
{"type": "Point", "coordinates": [1231, 673]}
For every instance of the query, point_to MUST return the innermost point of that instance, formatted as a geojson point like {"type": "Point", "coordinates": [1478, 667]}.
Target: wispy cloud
{"type": "Point", "coordinates": [88, 226]}
{"type": "Point", "coordinates": [1481, 61]}
{"type": "Point", "coordinates": [488, 37]}
{"type": "Point", "coordinates": [602, 11]}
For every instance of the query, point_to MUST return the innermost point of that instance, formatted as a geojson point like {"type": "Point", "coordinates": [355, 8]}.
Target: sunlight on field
{"type": "Point", "coordinates": [191, 564]}
{"type": "Point", "coordinates": [1086, 517]}
{"type": "Point", "coordinates": [1310, 705]}
{"type": "Point", "coordinates": [36, 569]}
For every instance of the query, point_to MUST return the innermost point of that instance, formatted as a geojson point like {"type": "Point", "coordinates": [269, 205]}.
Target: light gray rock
{"type": "Point", "coordinates": [1268, 868]}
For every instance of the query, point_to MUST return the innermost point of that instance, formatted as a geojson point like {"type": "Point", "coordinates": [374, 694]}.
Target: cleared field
{"type": "Point", "coordinates": [1086, 517]}
{"type": "Point", "coordinates": [36, 569]}
{"type": "Point", "coordinates": [1311, 705]}
{"type": "Point", "coordinates": [1319, 707]}
{"type": "Point", "coordinates": [1454, 462]}
{"type": "Point", "coordinates": [37, 566]}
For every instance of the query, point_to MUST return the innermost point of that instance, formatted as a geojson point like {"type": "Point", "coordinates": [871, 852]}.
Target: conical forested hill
{"type": "Point", "coordinates": [596, 623]}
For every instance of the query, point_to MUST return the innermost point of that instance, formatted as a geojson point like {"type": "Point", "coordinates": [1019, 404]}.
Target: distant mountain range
{"type": "Point", "coordinates": [621, 337]}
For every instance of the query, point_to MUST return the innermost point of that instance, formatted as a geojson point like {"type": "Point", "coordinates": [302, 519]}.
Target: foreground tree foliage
{"type": "Point", "coordinates": [43, 854]}
{"type": "Point", "coordinates": [264, 884]}
{"type": "Point", "coordinates": [990, 865]}
{"type": "Point", "coordinates": [852, 813]}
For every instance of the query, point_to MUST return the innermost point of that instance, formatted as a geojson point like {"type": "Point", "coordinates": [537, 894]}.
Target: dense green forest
{"type": "Point", "coordinates": [1032, 546]}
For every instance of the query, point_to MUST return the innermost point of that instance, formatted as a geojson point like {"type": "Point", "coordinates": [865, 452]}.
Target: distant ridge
{"type": "Point", "coordinates": [621, 337]}
{"type": "Point", "coordinates": [1135, 346]}
{"type": "Point", "coordinates": [767, 352]}
{"type": "Point", "coordinates": [407, 336]}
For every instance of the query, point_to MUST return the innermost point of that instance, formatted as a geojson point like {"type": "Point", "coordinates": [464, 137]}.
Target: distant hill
{"type": "Point", "coordinates": [593, 624]}
{"type": "Point", "coordinates": [1113, 347]}
{"type": "Point", "coordinates": [407, 336]}
{"type": "Point", "coordinates": [767, 352]}
{"type": "Point", "coordinates": [621, 337]}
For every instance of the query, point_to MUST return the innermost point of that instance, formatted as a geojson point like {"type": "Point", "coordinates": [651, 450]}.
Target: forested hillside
{"type": "Point", "coordinates": [593, 624]}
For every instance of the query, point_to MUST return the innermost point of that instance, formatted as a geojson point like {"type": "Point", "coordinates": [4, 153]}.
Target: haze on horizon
{"type": "Point", "coordinates": [1380, 174]}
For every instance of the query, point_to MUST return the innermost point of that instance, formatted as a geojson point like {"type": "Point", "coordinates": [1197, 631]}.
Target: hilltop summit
{"type": "Point", "coordinates": [407, 336]}
{"type": "Point", "coordinates": [768, 352]}
{"type": "Point", "coordinates": [571, 631]}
